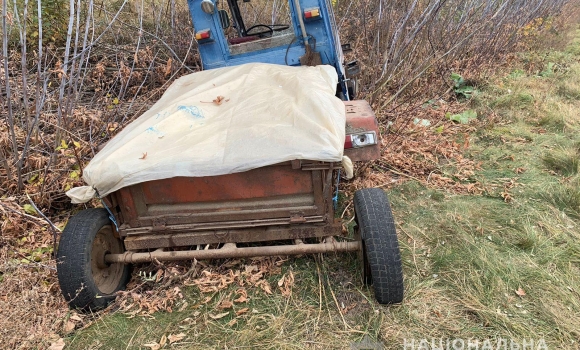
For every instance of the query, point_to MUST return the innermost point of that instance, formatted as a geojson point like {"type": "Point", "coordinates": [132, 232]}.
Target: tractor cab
{"type": "Point", "coordinates": [284, 32]}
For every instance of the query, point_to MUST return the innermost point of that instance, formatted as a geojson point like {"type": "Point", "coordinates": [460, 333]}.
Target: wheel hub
{"type": "Point", "coordinates": [106, 276]}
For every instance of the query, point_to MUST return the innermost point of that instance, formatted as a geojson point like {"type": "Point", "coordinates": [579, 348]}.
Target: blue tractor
{"type": "Point", "coordinates": [293, 33]}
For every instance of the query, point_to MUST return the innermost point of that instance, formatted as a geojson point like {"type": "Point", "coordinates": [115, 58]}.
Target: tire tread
{"type": "Point", "coordinates": [378, 232]}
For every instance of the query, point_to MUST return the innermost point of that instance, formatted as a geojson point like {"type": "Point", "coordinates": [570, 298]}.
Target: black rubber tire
{"type": "Point", "coordinates": [380, 247]}
{"type": "Point", "coordinates": [76, 267]}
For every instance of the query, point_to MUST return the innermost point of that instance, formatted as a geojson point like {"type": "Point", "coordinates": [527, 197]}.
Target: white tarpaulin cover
{"type": "Point", "coordinates": [263, 114]}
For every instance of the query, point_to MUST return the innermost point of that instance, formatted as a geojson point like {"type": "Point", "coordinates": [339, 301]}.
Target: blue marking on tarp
{"type": "Point", "coordinates": [151, 129]}
{"type": "Point", "coordinates": [161, 115]}
{"type": "Point", "coordinates": [155, 131]}
{"type": "Point", "coordinates": [192, 110]}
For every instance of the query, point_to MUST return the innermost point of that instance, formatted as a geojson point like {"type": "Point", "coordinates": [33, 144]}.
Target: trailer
{"type": "Point", "coordinates": [284, 208]}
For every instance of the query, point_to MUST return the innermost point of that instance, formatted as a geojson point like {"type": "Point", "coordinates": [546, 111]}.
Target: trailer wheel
{"type": "Point", "coordinates": [381, 258]}
{"type": "Point", "coordinates": [86, 280]}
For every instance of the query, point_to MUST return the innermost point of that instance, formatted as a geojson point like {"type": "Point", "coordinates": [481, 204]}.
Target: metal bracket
{"type": "Point", "coordinates": [158, 224]}
{"type": "Point", "coordinates": [297, 219]}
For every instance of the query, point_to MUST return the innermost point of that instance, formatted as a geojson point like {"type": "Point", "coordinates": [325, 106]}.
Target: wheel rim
{"type": "Point", "coordinates": [363, 260]}
{"type": "Point", "coordinates": [107, 277]}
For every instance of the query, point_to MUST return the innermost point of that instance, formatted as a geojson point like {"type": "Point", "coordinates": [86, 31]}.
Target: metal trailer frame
{"type": "Point", "coordinates": [168, 219]}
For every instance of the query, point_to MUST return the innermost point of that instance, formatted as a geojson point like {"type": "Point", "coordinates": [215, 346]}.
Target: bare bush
{"type": "Point", "coordinates": [68, 86]}
{"type": "Point", "coordinates": [408, 43]}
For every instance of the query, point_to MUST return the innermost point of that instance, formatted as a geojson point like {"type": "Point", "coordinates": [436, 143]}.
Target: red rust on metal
{"type": "Point", "coordinates": [297, 219]}
{"type": "Point", "coordinates": [231, 252]}
{"type": "Point", "coordinates": [221, 225]}
{"type": "Point", "coordinates": [263, 182]}
{"type": "Point", "coordinates": [257, 234]}
{"type": "Point", "coordinates": [360, 117]}
{"type": "Point", "coordinates": [300, 191]}
{"type": "Point", "coordinates": [128, 208]}
{"type": "Point", "coordinates": [269, 196]}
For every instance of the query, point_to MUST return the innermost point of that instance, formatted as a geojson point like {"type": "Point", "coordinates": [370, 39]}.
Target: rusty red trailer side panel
{"type": "Point", "coordinates": [256, 183]}
{"type": "Point", "coordinates": [282, 194]}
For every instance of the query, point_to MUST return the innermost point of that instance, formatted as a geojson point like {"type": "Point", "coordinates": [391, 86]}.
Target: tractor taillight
{"type": "Point", "coordinates": [362, 139]}
{"type": "Point", "coordinates": [312, 13]}
{"type": "Point", "coordinates": [203, 34]}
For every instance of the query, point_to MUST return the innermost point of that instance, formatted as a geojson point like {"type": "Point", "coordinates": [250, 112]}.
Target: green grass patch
{"type": "Point", "coordinates": [566, 198]}
{"type": "Point", "coordinates": [513, 100]}
{"type": "Point", "coordinates": [563, 161]}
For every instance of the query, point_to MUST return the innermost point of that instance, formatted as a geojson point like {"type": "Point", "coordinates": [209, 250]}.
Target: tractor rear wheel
{"type": "Point", "coordinates": [381, 258]}
{"type": "Point", "coordinates": [86, 280]}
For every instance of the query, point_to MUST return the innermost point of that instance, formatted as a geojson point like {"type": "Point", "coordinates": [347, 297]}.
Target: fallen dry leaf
{"type": "Point", "coordinates": [177, 337]}
{"type": "Point", "coordinates": [218, 100]}
{"type": "Point", "coordinates": [265, 286]}
{"type": "Point", "coordinates": [144, 156]}
{"type": "Point", "coordinates": [163, 341]}
{"type": "Point", "coordinates": [466, 142]}
{"type": "Point", "coordinates": [349, 307]}
{"type": "Point", "coordinates": [69, 327]}
{"type": "Point", "coordinates": [241, 299]}
{"type": "Point", "coordinates": [226, 304]}
{"type": "Point", "coordinates": [242, 311]}
{"type": "Point", "coordinates": [76, 318]}
{"type": "Point", "coordinates": [506, 197]}
{"type": "Point", "coordinates": [285, 284]}
{"type": "Point", "coordinates": [168, 67]}
{"type": "Point", "coordinates": [280, 262]}
{"type": "Point", "coordinates": [281, 281]}
{"type": "Point", "coordinates": [153, 346]}
{"type": "Point", "coordinates": [243, 296]}
{"type": "Point", "coordinates": [251, 268]}
{"type": "Point", "coordinates": [218, 316]}
{"type": "Point", "coordinates": [520, 292]}
{"type": "Point", "coordinates": [159, 275]}
{"type": "Point", "coordinates": [57, 345]}
{"type": "Point", "coordinates": [112, 126]}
